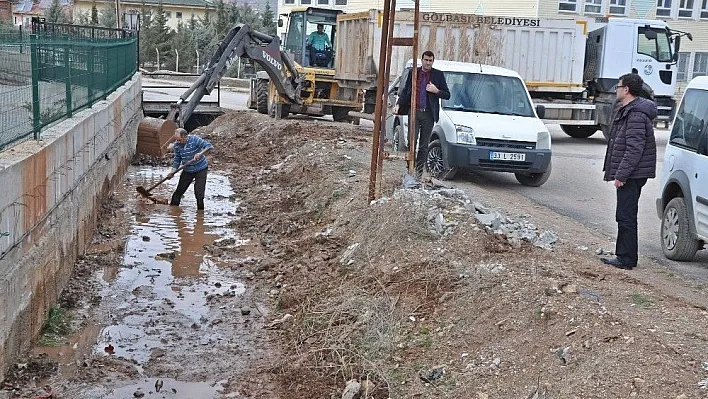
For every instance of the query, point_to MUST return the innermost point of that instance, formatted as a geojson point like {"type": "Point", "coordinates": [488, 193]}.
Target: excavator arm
{"type": "Point", "coordinates": [242, 41]}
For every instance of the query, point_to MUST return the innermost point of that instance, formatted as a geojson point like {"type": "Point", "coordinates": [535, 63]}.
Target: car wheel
{"type": "Point", "coordinates": [677, 242]}
{"type": "Point", "coordinates": [534, 179]}
{"type": "Point", "coordinates": [398, 142]}
{"type": "Point", "coordinates": [579, 132]}
{"type": "Point", "coordinates": [436, 163]}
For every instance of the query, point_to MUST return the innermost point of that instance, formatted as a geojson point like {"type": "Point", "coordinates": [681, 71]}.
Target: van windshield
{"type": "Point", "coordinates": [492, 94]}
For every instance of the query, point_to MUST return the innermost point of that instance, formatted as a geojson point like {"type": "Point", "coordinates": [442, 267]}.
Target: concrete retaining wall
{"type": "Point", "coordinates": [50, 193]}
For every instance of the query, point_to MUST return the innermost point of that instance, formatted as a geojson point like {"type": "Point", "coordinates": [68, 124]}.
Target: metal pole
{"type": "Point", "coordinates": [380, 90]}
{"type": "Point", "coordinates": [384, 111]}
{"type": "Point", "coordinates": [197, 50]}
{"type": "Point", "coordinates": [412, 144]}
{"type": "Point", "coordinates": [36, 122]}
{"type": "Point", "coordinates": [67, 65]}
{"type": "Point", "coordinates": [177, 61]}
{"type": "Point", "coordinates": [158, 58]}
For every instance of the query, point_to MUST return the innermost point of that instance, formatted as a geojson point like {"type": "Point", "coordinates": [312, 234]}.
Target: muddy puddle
{"type": "Point", "coordinates": [171, 302]}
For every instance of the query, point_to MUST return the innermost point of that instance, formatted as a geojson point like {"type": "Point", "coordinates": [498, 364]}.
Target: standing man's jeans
{"type": "Point", "coordinates": [423, 128]}
{"type": "Point", "coordinates": [626, 216]}
{"type": "Point", "coordinates": [185, 179]}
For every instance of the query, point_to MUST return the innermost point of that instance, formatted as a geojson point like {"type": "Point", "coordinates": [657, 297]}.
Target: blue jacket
{"type": "Point", "coordinates": [438, 79]}
{"type": "Point", "coordinates": [185, 152]}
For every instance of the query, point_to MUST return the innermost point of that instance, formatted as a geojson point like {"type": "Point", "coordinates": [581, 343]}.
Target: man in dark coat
{"type": "Point", "coordinates": [629, 161]}
{"type": "Point", "coordinates": [431, 88]}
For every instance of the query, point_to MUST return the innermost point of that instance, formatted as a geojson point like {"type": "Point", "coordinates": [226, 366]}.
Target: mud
{"type": "Point", "coordinates": [292, 284]}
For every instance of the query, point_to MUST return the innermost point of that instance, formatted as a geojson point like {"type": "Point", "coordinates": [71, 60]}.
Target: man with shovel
{"type": "Point", "coordinates": [190, 150]}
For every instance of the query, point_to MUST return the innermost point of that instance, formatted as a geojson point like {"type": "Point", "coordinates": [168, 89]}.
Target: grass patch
{"type": "Point", "coordinates": [56, 327]}
{"type": "Point", "coordinates": [641, 300]}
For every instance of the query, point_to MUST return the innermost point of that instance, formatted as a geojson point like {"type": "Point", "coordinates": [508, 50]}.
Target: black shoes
{"type": "Point", "coordinates": [616, 262]}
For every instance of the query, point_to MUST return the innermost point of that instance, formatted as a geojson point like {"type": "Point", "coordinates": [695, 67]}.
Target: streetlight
{"type": "Point", "coordinates": [131, 20]}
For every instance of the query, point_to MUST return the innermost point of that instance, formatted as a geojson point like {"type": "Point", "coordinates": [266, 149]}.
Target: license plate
{"type": "Point", "coordinates": [507, 156]}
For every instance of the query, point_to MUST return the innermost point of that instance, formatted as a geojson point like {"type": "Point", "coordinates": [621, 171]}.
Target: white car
{"type": "Point", "coordinates": [683, 205]}
{"type": "Point", "coordinates": [488, 123]}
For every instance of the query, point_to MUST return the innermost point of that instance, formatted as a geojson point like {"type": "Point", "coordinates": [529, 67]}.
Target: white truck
{"type": "Point", "coordinates": [569, 66]}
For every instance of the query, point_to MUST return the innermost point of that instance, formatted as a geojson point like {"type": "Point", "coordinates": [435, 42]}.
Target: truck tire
{"type": "Point", "coordinates": [436, 163]}
{"type": "Point", "coordinates": [341, 114]}
{"type": "Point", "coordinates": [579, 132]}
{"type": "Point", "coordinates": [677, 242]}
{"type": "Point", "coordinates": [534, 179]}
{"type": "Point", "coordinates": [262, 96]}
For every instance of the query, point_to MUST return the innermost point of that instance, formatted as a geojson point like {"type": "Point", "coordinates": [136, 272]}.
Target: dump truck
{"type": "Point", "coordinates": [569, 66]}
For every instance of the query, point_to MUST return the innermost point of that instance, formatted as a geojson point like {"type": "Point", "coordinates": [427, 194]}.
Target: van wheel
{"type": "Point", "coordinates": [579, 132]}
{"type": "Point", "coordinates": [436, 163]}
{"type": "Point", "coordinates": [399, 139]}
{"type": "Point", "coordinates": [534, 179]}
{"type": "Point", "coordinates": [677, 243]}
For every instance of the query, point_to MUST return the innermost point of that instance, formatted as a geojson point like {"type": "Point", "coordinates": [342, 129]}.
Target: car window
{"type": "Point", "coordinates": [494, 94]}
{"type": "Point", "coordinates": [690, 130]}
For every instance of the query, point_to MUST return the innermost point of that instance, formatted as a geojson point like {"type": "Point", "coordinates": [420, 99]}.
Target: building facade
{"type": "Point", "coordinates": [176, 11]}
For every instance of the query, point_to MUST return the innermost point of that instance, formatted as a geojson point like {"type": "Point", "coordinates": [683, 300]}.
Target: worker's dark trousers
{"type": "Point", "coordinates": [185, 179]}
{"type": "Point", "coordinates": [423, 127]}
{"type": "Point", "coordinates": [626, 216]}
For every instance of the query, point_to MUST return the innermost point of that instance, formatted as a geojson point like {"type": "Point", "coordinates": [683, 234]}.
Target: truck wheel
{"type": "Point", "coordinates": [399, 139]}
{"type": "Point", "coordinates": [677, 242]}
{"type": "Point", "coordinates": [534, 179]}
{"type": "Point", "coordinates": [436, 163]}
{"type": "Point", "coordinates": [579, 132]}
{"type": "Point", "coordinates": [262, 96]}
{"type": "Point", "coordinates": [341, 114]}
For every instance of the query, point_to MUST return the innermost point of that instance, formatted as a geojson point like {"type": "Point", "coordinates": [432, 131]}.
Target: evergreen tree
{"type": "Point", "coordinates": [183, 41]}
{"type": "Point", "coordinates": [268, 17]}
{"type": "Point", "coordinates": [82, 17]}
{"type": "Point", "coordinates": [162, 35]}
{"type": "Point", "coordinates": [107, 16]}
{"type": "Point", "coordinates": [55, 13]}
{"type": "Point", "coordinates": [94, 14]}
{"type": "Point", "coordinates": [147, 48]}
{"type": "Point", "coordinates": [222, 21]}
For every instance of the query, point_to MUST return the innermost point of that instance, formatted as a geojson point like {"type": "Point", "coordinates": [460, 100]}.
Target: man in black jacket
{"type": "Point", "coordinates": [431, 88]}
{"type": "Point", "coordinates": [629, 161]}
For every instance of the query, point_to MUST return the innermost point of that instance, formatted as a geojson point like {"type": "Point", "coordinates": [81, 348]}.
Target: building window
{"type": "Point", "coordinates": [178, 14]}
{"type": "Point", "coordinates": [305, 1]}
{"type": "Point", "coordinates": [323, 2]}
{"type": "Point", "coordinates": [685, 9]}
{"type": "Point", "coordinates": [593, 6]}
{"type": "Point", "coordinates": [618, 7]}
{"type": "Point", "coordinates": [700, 65]}
{"type": "Point", "coordinates": [704, 9]}
{"type": "Point", "coordinates": [567, 5]}
{"type": "Point", "coordinates": [340, 2]}
{"type": "Point", "coordinates": [288, 1]}
{"type": "Point", "coordinates": [663, 8]}
{"type": "Point", "coordinates": [168, 14]}
{"type": "Point", "coordinates": [682, 67]}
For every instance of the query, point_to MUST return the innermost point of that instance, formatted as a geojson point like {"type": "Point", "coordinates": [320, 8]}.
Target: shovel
{"type": "Point", "coordinates": [145, 192]}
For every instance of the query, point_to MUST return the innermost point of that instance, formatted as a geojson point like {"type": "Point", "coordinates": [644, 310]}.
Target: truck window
{"type": "Point", "coordinates": [474, 92]}
{"type": "Point", "coordinates": [294, 38]}
{"type": "Point", "coordinates": [690, 131]}
{"type": "Point", "coordinates": [658, 48]}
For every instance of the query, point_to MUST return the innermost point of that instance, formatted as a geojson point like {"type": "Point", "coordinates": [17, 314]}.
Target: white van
{"type": "Point", "coordinates": [488, 123]}
{"type": "Point", "coordinates": [683, 205]}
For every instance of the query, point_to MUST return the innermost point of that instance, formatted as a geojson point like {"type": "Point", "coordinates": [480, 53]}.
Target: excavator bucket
{"type": "Point", "coordinates": [153, 134]}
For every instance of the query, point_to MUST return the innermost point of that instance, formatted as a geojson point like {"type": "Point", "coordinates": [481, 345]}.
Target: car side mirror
{"type": "Point", "coordinates": [280, 22]}
{"type": "Point", "coordinates": [541, 111]}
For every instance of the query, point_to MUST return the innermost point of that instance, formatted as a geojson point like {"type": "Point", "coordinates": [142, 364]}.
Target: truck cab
{"type": "Point", "coordinates": [310, 36]}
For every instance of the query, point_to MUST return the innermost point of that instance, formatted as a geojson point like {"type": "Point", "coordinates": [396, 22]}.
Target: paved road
{"type": "Point", "coordinates": [575, 189]}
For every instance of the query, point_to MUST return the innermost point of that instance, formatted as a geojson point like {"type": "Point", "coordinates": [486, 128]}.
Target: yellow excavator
{"type": "Point", "coordinates": [295, 79]}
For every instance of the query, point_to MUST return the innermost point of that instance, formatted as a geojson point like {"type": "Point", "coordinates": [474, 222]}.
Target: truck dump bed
{"type": "Point", "coordinates": [548, 53]}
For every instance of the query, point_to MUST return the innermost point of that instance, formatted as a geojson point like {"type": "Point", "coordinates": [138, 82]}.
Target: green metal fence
{"type": "Point", "coordinates": [50, 71]}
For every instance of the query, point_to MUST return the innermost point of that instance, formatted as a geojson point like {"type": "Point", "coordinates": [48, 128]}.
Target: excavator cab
{"type": "Point", "coordinates": [310, 36]}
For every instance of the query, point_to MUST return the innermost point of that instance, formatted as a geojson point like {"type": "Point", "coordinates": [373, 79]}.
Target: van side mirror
{"type": "Point", "coordinates": [280, 22]}
{"type": "Point", "coordinates": [541, 111]}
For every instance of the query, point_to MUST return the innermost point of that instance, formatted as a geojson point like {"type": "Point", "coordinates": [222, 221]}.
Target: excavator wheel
{"type": "Point", "coordinates": [262, 96]}
{"type": "Point", "coordinates": [153, 133]}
